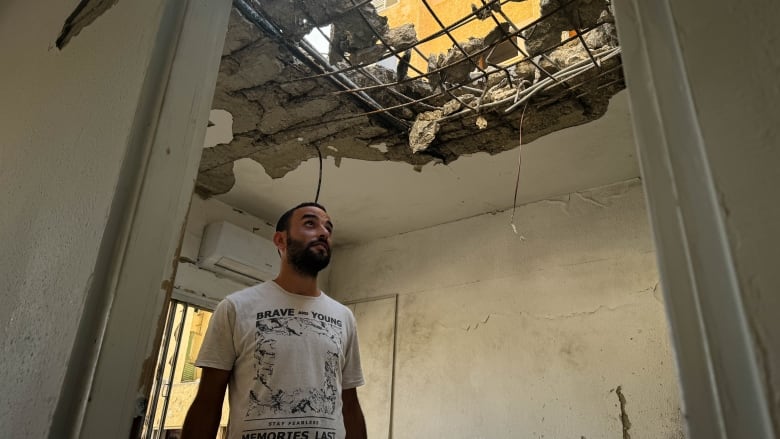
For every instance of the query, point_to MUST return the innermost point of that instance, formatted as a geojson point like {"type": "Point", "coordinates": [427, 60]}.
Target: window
{"type": "Point", "coordinates": [177, 379]}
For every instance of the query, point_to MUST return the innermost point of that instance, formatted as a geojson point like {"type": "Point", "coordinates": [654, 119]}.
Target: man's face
{"type": "Point", "coordinates": [309, 240]}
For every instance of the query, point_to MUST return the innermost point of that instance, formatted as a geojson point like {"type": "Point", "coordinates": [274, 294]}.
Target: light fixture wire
{"type": "Point", "coordinates": [319, 181]}
{"type": "Point", "coordinates": [517, 181]}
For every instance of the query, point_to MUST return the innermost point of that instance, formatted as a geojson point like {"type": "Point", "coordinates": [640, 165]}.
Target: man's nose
{"type": "Point", "coordinates": [324, 232]}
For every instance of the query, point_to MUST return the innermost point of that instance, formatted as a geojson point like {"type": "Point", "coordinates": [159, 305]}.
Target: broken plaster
{"type": "Point", "coordinates": [549, 317]}
{"type": "Point", "coordinates": [86, 12]}
{"type": "Point", "coordinates": [275, 98]}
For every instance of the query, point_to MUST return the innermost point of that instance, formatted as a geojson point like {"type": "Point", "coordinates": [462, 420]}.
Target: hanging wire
{"type": "Point", "coordinates": [517, 181]}
{"type": "Point", "coordinates": [319, 181]}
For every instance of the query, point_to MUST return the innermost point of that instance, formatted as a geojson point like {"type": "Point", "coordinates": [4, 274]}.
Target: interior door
{"type": "Point", "coordinates": [376, 332]}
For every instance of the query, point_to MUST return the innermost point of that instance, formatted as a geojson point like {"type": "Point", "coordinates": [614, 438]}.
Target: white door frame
{"type": "Point", "coordinates": [114, 357]}
{"type": "Point", "coordinates": [107, 385]}
{"type": "Point", "coordinates": [723, 394]}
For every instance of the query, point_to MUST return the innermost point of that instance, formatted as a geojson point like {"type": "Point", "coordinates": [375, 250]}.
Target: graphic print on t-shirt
{"type": "Point", "coordinates": [286, 330]}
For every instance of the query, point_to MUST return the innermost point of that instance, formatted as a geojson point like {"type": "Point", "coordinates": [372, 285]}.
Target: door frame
{"type": "Point", "coordinates": [107, 384]}
{"type": "Point", "coordinates": [120, 329]}
{"type": "Point", "coordinates": [715, 351]}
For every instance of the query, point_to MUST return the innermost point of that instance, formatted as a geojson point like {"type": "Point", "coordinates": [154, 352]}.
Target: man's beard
{"type": "Point", "coordinates": [305, 260]}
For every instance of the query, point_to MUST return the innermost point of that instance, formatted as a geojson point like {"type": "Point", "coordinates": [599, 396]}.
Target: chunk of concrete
{"type": "Point", "coordinates": [558, 18]}
{"type": "Point", "coordinates": [401, 37]}
{"type": "Point", "coordinates": [424, 130]}
{"type": "Point", "coordinates": [455, 63]}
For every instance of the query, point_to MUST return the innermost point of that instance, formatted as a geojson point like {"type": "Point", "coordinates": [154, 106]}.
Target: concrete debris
{"type": "Point", "coordinates": [566, 55]}
{"type": "Point", "coordinates": [451, 107]}
{"type": "Point", "coordinates": [254, 65]}
{"type": "Point", "coordinates": [424, 130]}
{"type": "Point", "coordinates": [456, 66]}
{"type": "Point", "coordinates": [401, 37]}
{"type": "Point", "coordinates": [578, 15]}
{"type": "Point", "coordinates": [242, 33]}
{"type": "Point", "coordinates": [355, 30]}
{"type": "Point", "coordinates": [498, 94]}
{"type": "Point", "coordinates": [525, 71]}
{"type": "Point", "coordinates": [296, 19]}
{"type": "Point", "coordinates": [368, 55]}
{"type": "Point", "coordinates": [275, 98]}
{"type": "Point", "coordinates": [604, 35]}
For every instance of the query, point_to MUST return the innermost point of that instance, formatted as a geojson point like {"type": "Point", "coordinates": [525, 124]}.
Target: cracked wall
{"type": "Point", "coordinates": [67, 121]}
{"type": "Point", "coordinates": [558, 331]}
{"type": "Point", "coordinates": [86, 12]}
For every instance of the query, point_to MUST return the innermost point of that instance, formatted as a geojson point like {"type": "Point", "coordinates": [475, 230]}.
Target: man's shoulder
{"type": "Point", "coordinates": [247, 294]}
{"type": "Point", "coordinates": [335, 304]}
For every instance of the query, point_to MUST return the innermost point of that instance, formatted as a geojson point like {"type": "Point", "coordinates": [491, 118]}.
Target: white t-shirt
{"type": "Point", "coordinates": [291, 356]}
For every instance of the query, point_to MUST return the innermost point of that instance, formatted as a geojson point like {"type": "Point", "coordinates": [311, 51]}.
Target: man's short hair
{"type": "Point", "coordinates": [284, 221]}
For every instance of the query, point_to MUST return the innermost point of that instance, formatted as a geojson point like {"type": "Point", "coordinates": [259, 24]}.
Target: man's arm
{"type": "Point", "coordinates": [353, 415]}
{"type": "Point", "coordinates": [202, 419]}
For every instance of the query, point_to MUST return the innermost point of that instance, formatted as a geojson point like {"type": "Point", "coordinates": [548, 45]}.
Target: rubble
{"type": "Point", "coordinates": [424, 130]}
{"type": "Point", "coordinates": [578, 15]}
{"type": "Point", "coordinates": [282, 107]}
{"type": "Point", "coordinates": [456, 66]}
{"type": "Point", "coordinates": [401, 37]}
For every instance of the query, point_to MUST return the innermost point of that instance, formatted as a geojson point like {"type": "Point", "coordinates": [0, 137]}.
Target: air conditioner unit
{"type": "Point", "coordinates": [233, 252]}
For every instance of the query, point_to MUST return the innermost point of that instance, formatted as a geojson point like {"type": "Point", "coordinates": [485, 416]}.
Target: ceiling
{"type": "Point", "coordinates": [373, 199]}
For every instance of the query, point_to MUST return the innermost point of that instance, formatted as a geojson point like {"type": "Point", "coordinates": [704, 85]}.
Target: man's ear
{"type": "Point", "coordinates": [280, 241]}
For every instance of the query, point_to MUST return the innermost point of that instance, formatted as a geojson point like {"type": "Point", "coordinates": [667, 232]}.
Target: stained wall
{"type": "Point", "coordinates": [66, 118]}
{"type": "Point", "coordinates": [556, 331]}
{"type": "Point", "coordinates": [740, 131]}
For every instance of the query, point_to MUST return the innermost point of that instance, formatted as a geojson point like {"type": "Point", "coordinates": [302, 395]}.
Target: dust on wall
{"type": "Point", "coordinates": [558, 333]}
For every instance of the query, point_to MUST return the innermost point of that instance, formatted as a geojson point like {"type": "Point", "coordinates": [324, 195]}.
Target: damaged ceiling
{"type": "Point", "coordinates": [288, 99]}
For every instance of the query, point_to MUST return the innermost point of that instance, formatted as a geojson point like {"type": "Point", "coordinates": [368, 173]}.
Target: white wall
{"type": "Point", "coordinates": [192, 280]}
{"type": "Point", "coordinates": [503, 337]}
{"type": "Point", "coordinates": [195, 282]}
{"type": "Point", "coordinates": [65, 117]}
{"type": "Point", "coordinates": [738, 105]}
{"type": "Point", "coordinates": [705, 105]}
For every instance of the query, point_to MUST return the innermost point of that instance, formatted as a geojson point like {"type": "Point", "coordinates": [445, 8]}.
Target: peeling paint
{"type": "Point", "coordinates": [86, 12]}
{"type": "Point", "coordinates": [590, 200]}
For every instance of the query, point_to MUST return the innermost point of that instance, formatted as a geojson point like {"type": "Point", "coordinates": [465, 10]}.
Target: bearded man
{"type": "Point", "coordinates": [288, 352]}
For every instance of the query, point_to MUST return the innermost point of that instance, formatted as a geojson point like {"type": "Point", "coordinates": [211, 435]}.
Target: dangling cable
{"type": "Point", "coordinates": [517, 181]}
{"type": "Point", "coordinates": [319, 181]}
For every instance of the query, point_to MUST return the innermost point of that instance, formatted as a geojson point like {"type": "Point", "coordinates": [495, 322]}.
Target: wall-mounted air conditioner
{"type": "Point", "coordinates": [233, 252]}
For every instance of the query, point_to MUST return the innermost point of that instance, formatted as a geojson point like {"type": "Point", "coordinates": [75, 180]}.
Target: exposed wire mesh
{"type": "Point", "coordinates": [388, 94]}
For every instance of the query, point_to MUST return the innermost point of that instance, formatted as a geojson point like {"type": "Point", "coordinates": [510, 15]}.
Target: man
{"type": "Point", "coordinates": [288, 352]}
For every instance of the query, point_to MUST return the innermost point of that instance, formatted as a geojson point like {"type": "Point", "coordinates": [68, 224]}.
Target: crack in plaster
{"type": "Point", "coordinates": [483, 322]}
{"type": "Point", "coordinates": [589, 261]}
{"type": "Point", "coordinates": [547, 317]}
{"type": "Point", "coordinates": [84, 14]}
{"type": "Point", "coordinates": [621, 189]}
{"type": "Point", "coordinates": [562, 202]}
{"type": "Point", "coordinates": [624, 421]}
{"type": "Point", "coordinates": [764, 361]}
{"type": "Point", "coordinates": [590, 200]}
{"type": "Point", "coordinates": [579, 313]}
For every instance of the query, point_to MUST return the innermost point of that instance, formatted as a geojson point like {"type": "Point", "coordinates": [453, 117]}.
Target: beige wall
{"type": "Point", "coordinates": [503, 335]}
{"type": "Point", "coordinates": [66, 118]}
{"type": "Point", "coordinates": [739, 126]}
